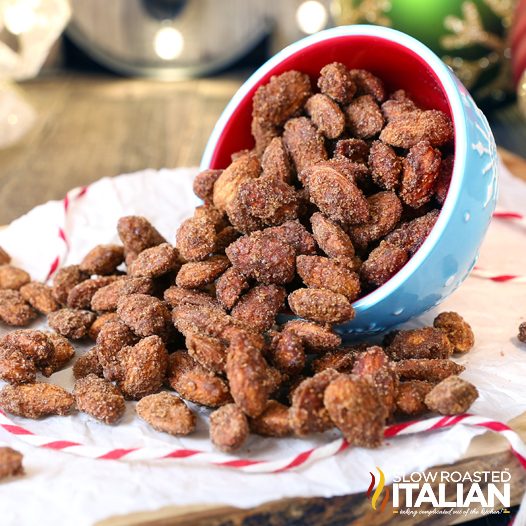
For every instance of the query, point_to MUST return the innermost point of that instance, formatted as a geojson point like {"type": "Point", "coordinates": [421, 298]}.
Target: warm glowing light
{"type": "Point", "coordinates": [168, 43]}
{"type": "Point", "coordinates": [19, 17]}
{"type": "Point", "coordinates": [311, 16]}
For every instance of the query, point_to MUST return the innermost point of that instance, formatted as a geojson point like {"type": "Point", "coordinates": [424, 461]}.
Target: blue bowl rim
{"type": "Point", "coordinates": [454, 98]}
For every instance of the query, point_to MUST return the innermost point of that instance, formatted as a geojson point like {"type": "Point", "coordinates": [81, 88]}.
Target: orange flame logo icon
{"type": "Point", "coordinates": [378, 491]}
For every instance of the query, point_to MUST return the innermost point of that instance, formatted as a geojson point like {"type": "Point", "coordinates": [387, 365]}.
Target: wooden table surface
{"type": "Point", "coordinates": [90, 127]}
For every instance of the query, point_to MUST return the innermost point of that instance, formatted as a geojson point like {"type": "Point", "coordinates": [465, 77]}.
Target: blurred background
{"type": "Point", "coordinates": [93, 88]}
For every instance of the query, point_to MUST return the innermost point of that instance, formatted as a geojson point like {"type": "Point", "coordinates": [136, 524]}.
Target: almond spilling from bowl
{"type": "Point", "coordinates": [341, 189]}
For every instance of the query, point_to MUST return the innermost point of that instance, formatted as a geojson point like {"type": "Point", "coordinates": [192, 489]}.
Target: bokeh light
{"type": "Point", "coordinates": [311, 16]}
{"type": "Point", "coordinates": [168, 43]}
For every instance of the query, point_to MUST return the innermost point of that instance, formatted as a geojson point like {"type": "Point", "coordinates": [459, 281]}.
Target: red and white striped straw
{"type": "Point", "coordinates": [508, 214]}
{"type": "Point", "coordinates": [197, 457]}
{"type": "Point", "coordinates": [478, 272]}
{"type": "Point", "coordinates": [498, 278]}
{"type": "Point", "coordinates": [71, 197]}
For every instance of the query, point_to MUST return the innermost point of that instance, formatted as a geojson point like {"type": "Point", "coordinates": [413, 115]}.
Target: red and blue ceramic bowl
{"type": "Point", "coordinates": [449, 253]}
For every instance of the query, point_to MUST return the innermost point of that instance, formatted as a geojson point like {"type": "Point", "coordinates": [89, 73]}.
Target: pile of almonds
{"type": "Point", "coordinates": [341, 189]}
{"type": "Point", "coordinates": [272, 380]}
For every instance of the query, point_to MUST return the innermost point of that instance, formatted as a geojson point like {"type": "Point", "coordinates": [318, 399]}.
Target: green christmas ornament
{"type": "Point", "coordinates": [469, 35]}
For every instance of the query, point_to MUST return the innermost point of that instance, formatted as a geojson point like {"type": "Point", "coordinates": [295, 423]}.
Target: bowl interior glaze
{"type": "Point", "coordinates": [398, 66]}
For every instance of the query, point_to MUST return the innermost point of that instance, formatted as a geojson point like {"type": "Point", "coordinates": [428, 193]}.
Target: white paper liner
{"type": "Point", "coordinates": [65, 488]}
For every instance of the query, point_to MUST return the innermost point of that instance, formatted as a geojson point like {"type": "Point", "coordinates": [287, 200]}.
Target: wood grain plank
{"type": "Point", "coordinates": [335, 511]}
